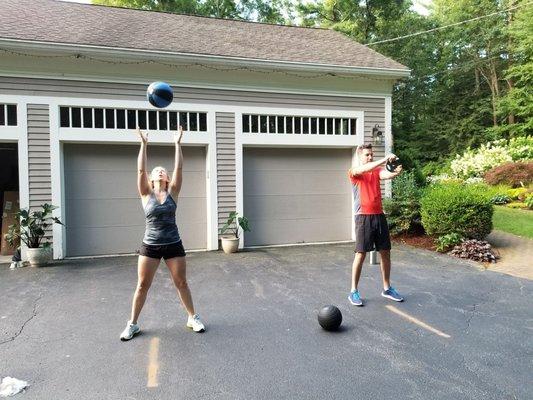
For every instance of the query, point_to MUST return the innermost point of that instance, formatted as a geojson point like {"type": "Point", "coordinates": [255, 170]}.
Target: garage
{"type": "Point", "coordinates": [296, 195]}
{"type": "Point", "coordinates": [103, 211]}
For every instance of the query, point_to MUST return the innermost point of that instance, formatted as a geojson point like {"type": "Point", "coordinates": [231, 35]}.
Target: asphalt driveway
{"type": "Point", "coordinates": [462, 333]}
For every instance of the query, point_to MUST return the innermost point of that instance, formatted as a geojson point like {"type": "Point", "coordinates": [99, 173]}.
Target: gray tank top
{"type": "Point", "coordinates": [161, 225]}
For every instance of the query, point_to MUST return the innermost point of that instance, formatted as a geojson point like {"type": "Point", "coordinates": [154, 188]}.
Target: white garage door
{"type": "Point", "coordinates": [103, 211]}
{"type": "Point", "coordinates": [297, 195]}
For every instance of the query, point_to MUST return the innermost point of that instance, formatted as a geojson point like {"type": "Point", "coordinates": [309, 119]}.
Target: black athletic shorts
{"type": "Point", "coordinates": [371, 233]}
{"type": "Point", "coordinates": [165, 251]}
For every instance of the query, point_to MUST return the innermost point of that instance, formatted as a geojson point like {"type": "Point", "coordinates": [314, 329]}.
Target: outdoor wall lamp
{"type": "Point", "coordinates": [377, 135]}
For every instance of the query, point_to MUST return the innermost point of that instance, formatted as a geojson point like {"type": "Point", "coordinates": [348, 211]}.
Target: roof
{"type": "Point", "coordinates": [53, 22]}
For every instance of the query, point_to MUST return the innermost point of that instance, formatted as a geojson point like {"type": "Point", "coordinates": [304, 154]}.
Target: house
{"type": "Point", "coordinates": [271, 114]}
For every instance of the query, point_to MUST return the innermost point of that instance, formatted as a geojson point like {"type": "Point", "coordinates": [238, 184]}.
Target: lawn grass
{"type": "Point", "coordinates": [515, 221]}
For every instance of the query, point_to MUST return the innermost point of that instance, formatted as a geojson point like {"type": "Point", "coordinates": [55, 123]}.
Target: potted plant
{"type": "Point", "coordinates": [230, 242]}
{"type": "Point", "coordinates": [31, 229]}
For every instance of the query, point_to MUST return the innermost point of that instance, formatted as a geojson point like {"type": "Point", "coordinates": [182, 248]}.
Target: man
{"type": "Point", "coordinates": [371, 229]}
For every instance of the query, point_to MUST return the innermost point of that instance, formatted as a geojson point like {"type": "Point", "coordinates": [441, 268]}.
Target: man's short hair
{"type": "Point", "coordinates": [364, 147]}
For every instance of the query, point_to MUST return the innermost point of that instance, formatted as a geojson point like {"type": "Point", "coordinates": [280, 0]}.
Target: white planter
{"type": "Point", "coordinates": [39, 257]}
{"type": "Point", "coordinates": [230, 244]}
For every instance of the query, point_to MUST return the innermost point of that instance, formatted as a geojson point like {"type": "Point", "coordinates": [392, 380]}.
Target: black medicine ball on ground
{"type": "Point", "coordinates": [329, 318]}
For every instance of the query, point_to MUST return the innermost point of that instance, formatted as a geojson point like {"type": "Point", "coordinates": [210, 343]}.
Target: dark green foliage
{"type": "Point", "coordinates": [33, 226]}
{"type": "Point", "coordinates": [403, 210]}
{"type": "Point", "coordinates": [456, 208]}
{"type": "Point", "coordinates": [514, 174]}
{"type": "Point", "coordinates": [271, 11]}
{"type": "Point", "coordinates": [235, 223]}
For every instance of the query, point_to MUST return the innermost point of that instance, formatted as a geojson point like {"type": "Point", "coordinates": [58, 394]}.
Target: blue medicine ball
{"type": "Point", "coordinates": [159, 94]}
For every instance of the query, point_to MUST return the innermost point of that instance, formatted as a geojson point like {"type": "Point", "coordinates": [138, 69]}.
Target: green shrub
{"type": "Point", "coordinates": [454, 208]}
{"type": "Point", "coordinates": [514, 174]}
{"type": "Point", "coordinates": [517, 193]}
{"type": "Point", "coordinates": [444, 243]}
{"type": "Point", "coordinates": [529, 201]}
{"type": "Point", "coordinates": [403, 210]}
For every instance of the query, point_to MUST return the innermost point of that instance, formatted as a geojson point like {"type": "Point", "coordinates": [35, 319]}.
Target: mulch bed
{"type": "Point", "coordinates": [416, 240]}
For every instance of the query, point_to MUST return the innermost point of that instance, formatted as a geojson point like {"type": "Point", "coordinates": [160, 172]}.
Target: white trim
{"type": "Point", "coordinates": [56, 171]}
{"type": "Point", "coordinates": [289, 140]}
{"type": "Point", "coordinates": [211, 184]}
{"type": "Point", "coordinates": [120, 52]}
{"type": "Point", "coordinates": [388, 139]}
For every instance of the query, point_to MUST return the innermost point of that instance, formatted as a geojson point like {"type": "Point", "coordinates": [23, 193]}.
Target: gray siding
{"type": "Point", "coordinates": [40, 185]}
{"type": "Point", "coordinates": [225, 127]}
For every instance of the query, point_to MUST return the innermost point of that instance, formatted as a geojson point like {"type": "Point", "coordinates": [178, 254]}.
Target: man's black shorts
{"type": "Point", "coordinates": [165, 251]}
{"type": "Point", "coordinates": [371, 232]}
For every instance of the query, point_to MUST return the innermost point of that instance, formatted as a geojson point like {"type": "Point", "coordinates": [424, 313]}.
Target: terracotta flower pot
{"type": "Point", "coordinates": [230, 244]}
{"type": "Point", "coordinates": [39, 257]}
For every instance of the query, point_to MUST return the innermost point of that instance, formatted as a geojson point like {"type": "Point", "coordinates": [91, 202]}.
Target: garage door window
{"type": "Point", "coordinates": [111, 118]}
{"type": "Point", "coordinates": [287, 124]}
{"type": "Point", "coordinates": [8, 115]}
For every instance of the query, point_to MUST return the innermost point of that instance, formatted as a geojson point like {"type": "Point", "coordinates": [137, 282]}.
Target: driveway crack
{"type": "Point", "coordinates": [33, 315]}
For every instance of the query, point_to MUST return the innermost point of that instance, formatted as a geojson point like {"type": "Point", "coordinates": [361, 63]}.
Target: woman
{"type": "Point", "coordinates": [161, 238]}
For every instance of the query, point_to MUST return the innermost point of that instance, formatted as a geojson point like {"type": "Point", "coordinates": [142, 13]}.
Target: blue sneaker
{"type": "Point", "coordinates": [355, 299]}
{"type": "Point", "coordinates": [392, 294]}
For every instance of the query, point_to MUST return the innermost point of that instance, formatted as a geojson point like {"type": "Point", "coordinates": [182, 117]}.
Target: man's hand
{"type": "Point", "coordinates": [142, 135]}
{"type": "Point", "coordinates": [391, 157]}
{"type": "Point", "coordinates": [178, 135]}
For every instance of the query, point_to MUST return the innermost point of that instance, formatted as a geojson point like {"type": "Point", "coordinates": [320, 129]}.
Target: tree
{"type": "Point", "coordinates": [519, 100]}
{"type": "Point", "coordinates": [271, 11]}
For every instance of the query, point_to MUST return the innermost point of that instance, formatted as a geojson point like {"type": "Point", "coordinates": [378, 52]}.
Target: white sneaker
{"type": "Point", "coordinates": [195, 324]}
{"type": "Point", "coordinates": [130, 331]}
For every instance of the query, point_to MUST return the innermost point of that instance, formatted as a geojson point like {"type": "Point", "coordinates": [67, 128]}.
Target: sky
{"type": "Point", "coordinates": [418, 5]}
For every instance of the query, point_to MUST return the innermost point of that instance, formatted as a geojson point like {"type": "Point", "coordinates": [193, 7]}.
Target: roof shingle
{"type": "Point", "coordinates": [83, 24]}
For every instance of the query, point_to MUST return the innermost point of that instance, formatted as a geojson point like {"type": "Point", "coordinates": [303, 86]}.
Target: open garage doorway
{"type": "Point", "coordinates": [9, 194]}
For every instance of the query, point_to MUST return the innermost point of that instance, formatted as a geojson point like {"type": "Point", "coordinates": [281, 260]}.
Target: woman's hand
{"type": "Point", "coordinates": [178, 135]}
{"type": "Point", "coordinates": [142, 135]}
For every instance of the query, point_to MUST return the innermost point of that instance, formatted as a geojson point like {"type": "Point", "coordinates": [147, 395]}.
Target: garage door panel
{"type": "Point", "coordinates": [191, 210]}
{"type": "Point", "coordinates": [297, 182]}
{"type": "Point", "coordinates": [96, 240]}
{"type": "Point", "coordinates": [90, 184]}
{"type": "Point", "coordinates": [102, 208]}
{"type": "Point", "coordinates": [267, 232]}
{"type": "Point", "coordinates": [106, 213]}
{"type": "Point", "coordinates": [297, 195]}
{"type": "Point", "coordinates": [295, 207]}
{"type": "Point", "coordinates": [293, 159]}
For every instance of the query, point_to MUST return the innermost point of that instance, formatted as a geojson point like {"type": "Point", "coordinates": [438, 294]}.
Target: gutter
{"type": "Point", "coordinates": [180, 57]}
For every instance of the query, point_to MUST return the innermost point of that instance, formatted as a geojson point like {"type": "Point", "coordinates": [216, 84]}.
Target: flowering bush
{"type": "Point", "coordinates": [520, 149]}
{"type": "Point", "coordinates": [473, 163]}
